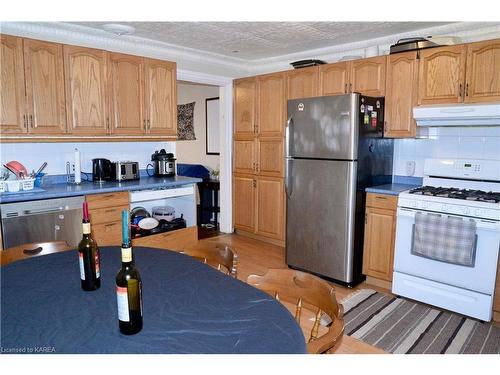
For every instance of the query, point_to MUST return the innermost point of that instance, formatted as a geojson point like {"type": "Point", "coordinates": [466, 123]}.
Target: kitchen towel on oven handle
{"type": "Point", "coordinates": [448, 239]}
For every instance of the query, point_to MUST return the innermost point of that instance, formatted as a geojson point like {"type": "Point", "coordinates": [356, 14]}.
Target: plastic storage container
{"type": "Point", "coordinates": [27, 184]}
{"type": "Point", "coordinates": [163, 213]}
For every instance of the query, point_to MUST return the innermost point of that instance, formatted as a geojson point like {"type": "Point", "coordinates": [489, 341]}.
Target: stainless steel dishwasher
{"type": "Point", "coordinates": [42, 221]}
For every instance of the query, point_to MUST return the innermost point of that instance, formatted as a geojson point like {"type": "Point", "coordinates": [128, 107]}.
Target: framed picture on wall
{"type": "Point", "coordinates": [212, 125]}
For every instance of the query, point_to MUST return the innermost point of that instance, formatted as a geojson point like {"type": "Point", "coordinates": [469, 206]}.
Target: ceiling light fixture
{"type": "Point", "coordinates": [118, 29]}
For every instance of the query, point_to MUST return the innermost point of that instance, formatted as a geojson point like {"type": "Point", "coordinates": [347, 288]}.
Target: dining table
{"type": "Point", "coordinates": [188, 307]}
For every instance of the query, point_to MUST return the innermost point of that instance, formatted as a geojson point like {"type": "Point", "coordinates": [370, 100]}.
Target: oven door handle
{"type": "Point", "coordinates": [480, 223]}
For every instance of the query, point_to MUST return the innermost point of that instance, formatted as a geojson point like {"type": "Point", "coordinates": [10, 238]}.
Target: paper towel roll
{"type": "Point", "coordinates": [78, 174]}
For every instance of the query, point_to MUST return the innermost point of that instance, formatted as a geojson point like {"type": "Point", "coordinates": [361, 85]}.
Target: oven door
{"type": "Point", "coordinates": [479, 278]}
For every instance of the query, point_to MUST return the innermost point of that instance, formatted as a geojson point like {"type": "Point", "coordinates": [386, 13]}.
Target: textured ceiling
{"type": "Point", "coordinates": [257, 40]}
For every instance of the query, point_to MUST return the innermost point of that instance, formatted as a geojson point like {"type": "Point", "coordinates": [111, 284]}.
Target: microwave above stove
{"type": "Point", "coordinates": [125, 170]}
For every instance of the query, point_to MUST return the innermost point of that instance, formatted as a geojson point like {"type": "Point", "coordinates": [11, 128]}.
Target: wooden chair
{"type": "Point", "coordinates": [218, 256]}
{"type": "Point", "coordinates": [30, 250]}
{"type": "Point", "coordinates": [306, 292]}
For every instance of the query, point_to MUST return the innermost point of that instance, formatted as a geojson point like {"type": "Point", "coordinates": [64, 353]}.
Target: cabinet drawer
{"type": "Point", "coordinates": [108, 234]}
{"type": "Point", "coordinates": [388, 202]}
{"type": "Point", "coordinates": [119, 198]}
{"type": "Point", "coordinates": [107, 214]}
{"type": "Point", "coordinates": [175, 240]}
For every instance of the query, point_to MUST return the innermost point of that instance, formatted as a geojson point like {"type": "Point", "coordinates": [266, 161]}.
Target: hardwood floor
{"type": "Point", "coordinates": [255, 257]}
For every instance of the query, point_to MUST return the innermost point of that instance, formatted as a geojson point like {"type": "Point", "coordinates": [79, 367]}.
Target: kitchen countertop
{"type": "Point", "coordinates": [62, 190]}
{"type": "Point", "coordinates": [390, 189]}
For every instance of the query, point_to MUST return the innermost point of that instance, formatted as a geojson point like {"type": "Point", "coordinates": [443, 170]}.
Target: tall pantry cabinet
{"type": "Point", "coordinates": [258, 152]}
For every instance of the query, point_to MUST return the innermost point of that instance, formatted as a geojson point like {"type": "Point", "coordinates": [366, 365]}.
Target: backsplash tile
{"type": "Point", "coordinates": [447, 142]}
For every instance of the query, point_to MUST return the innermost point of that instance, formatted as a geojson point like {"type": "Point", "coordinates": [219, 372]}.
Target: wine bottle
{"type": "Point", "coordinates": [128, 286]}
{"type": "Point", "coordinates": [88, 254]}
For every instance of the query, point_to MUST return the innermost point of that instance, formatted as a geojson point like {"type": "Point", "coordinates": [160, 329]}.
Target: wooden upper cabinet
{"type": "Point", "coordinates": [368, 76]}
{"type": "Point", "coordinates": [161, 97]}
{"type": "Point", "coordinates": [271, 105]}
{"type": "Point", "coordinates": [270, 207]}
{"type": "Point", "coordinates": [334, 78]}
{"type": "Point", "coordinates": [86, 93]}
{"type": "Point", "coordinates": [401, 95]}
{"type": "Point", "coordinates": [244, 202]}
{"type": "Point", "coordinates": [45, 102]}
{"type": "Point", "coordinates": [441, 75]}
{"type": "Point", "coordinates": [245, 91]}
{"type": "Point", "coordinates": [126, 85]}
{"type": "Point", "coordinates": [302, 83]}
{"type": "Point", "coordinates": [12, 113]}
{"type": "Point", "coordinates": [483, 72]}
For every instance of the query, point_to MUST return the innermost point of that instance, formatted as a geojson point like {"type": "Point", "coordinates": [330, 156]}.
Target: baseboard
{"type": "Point", "coordinates": [378, 282]}
{"type": "Point", "coordinates": [273, 241]}
{"type": "Point", "coordinates": [496, 316]}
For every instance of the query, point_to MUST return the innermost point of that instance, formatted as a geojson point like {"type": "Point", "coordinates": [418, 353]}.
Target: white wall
{"type": "Point", "coordinates": [447, 142]}
{"type": "Point", "coordinates": [32, 155]}
{"type": "Point", "coordinates": [194, 152]}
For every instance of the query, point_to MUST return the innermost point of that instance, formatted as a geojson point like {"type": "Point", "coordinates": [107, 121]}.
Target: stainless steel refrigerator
{"type": "Point", "coordinates": [334, 150]}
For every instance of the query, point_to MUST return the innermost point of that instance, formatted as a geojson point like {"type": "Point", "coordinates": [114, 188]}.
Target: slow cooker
{"type": "Point", "coordinates": [163, 163]}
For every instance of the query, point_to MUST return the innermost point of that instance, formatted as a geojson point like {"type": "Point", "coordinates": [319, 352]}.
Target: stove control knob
{"type": "Point", "coordinates": [413, 203]}
{"type": "Point", "coordinates": [477, 212]}
{"type": "Point", "coordinates": [466, 210]}
{"type": "Point", "coordinates": [445, 207]}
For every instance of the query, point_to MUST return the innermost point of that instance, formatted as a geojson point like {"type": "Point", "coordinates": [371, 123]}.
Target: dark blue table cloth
{"type": "Point", "coordinates": [188, 308]}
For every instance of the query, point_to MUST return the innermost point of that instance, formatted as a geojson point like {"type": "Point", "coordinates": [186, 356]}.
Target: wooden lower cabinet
{"type": "Point", "coordinates": [179, 239]}
{"type": "Point", "coordinates": [259, 206]}
{"type": "Point", "coordinates": [380, 233]}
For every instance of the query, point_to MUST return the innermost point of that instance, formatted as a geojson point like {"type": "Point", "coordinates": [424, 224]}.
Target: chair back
{"type": "Point", "coordinates": [222, 257]}
{"type": "Point", "coordinates": [31, 250]}
{"type": "Point", "coordinates": [306, 290]}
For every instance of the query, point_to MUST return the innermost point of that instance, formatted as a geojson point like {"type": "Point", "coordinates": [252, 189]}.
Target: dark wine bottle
{"type": "Point", "coordinates": [128, 286]}
{"type": "Point", "coordinates": [88, 254]}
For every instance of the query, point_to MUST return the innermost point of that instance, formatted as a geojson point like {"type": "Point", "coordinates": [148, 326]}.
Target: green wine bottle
{"type": "Point", "coordinates": [128, 286]}
{"type": "Point", "coordinates": [88, 255]}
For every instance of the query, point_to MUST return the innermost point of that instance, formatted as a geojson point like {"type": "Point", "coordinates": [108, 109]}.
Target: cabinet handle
{"type": "Point", "coordinates": [254, 183]}
{"type": "Point", "coordinates": [257, 167]}
{"type": "Point", "coordinates": [253, 166]}
{"type": "Point", "coordinates": [25, 122]}
{"type": "Point", "coordinates": [460, 90]}
{"type": "Point", "coordinates": [110, 225]}
{"type": "Point", "coordinates": [366, 219]}
{"type": "Point", "coordinates": [350, 87]}
{"type": "Point", "coordinates": [107, 123]}
{"type": "Point", "coordinates": [467, 89]}
{"type": "Point", "coordinates": [379, 197]}
{"type": "Point", "coordinates": [149, 124]}
{"type": "Point", "coordinates": [145, 126]}
{"type": "Point", "coordinates": [345, 88]}
{"type": "Point", "coordinates": [31, 121]}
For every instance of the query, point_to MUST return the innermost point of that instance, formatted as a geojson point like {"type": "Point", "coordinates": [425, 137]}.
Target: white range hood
{"type": "Point", "coordinates": [483, 114]}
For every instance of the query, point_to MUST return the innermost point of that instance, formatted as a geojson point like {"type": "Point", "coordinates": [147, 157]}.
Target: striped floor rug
{"type": "Point", "coordinates": [400, 326]}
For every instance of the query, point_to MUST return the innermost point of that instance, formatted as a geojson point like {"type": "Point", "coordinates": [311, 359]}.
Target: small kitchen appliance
{"type": "Point", "coordinates": [101, 170]}
{"type": "Point", "coordinates": [163, 163]}
{"type": "Point", "coordinates": [125, 170]}
{"type": "Point", "coordinates": [460, 200]}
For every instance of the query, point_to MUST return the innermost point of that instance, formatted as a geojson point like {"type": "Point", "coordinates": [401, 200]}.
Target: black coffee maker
{"type": "Point", "coordinates": [101, 170]}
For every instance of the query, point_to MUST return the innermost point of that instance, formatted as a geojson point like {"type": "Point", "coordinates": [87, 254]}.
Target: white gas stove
{"type": "Point", "coordinates": [464, 190]}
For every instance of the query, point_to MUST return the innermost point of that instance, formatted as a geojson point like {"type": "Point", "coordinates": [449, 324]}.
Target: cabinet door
{"type": "Point", "coordinates": [334, 78]}
{"type": "Point", "coordinates": [244, 155]}
{"type": "Point", "coordinates": [368, 76]}
{"type": "Point", "coordinates": [302, 83]}
{"type": "Point", "coordinates": [483, 72]}
{"type": "Point", "coordinates": [270, 207]}
{"type": "Point", "coordinates": [270, 157]}
{"type": "Point", "coordinates": [12, 115]}
{"type": "Point", "coordinates": [441, 75]}
{"type": "Point", "coordinates": [126, 84]}
{"type": "Point", "coordinates": [245, 106]}
{"type": "Point", "coordinates": [271, 105]}
{"type": "Point", "coordinates": [244, 202]}
{"type": "Point", "coordinates": [378, 251]}
{"type": "Point", "coordinates": [86, 95]}
{"type": "Point", "coordinates": [401, 95]}
{"type": "Point", "coordinates": [161, 97]}
{"type": "Point", "coordinates": [43, 71]}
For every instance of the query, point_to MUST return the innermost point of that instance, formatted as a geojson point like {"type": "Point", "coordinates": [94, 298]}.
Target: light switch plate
{"type": "Point", "coordinates": [410, 167]}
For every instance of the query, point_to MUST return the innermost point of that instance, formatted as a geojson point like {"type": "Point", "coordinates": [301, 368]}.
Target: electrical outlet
{"type": "Point", "coordinates": [410, 167]}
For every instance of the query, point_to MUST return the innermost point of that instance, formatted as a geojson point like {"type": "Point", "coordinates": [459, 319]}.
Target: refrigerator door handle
{"type": "Point", "coordinates": [288, 129]}
{"type": "Point", "coordinates": [288, 177]}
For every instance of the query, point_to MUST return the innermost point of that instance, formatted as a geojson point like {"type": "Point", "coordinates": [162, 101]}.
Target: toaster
{"type": "Point", "coordinates": [125, 170]}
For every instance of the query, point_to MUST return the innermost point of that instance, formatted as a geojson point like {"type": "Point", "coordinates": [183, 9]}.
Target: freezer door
{"type": "Point", "coordinates": [325, 127]}
{"type": "Point", "coordinates": [320, 216]}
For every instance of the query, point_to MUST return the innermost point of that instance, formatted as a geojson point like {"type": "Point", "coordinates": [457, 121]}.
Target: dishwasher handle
{"type": "Point", "coordinates": [43, 211]}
